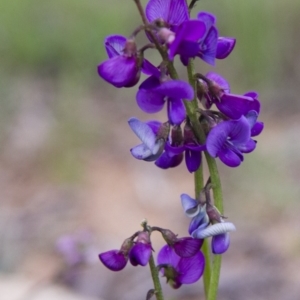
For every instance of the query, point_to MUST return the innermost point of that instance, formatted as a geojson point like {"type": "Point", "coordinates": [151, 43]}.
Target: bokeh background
{"type": "Point", "coordinates": [65, 166]}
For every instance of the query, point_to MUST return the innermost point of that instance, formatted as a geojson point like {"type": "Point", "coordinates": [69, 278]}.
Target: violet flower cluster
{"type": "Point", "coordinates": [229, 127]}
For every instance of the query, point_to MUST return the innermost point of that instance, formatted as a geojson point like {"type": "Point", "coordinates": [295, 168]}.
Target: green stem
{"type": "Point", "coordinates": [207, 271]}
{"type": "Point", "coordinates": [214, 279]}
{"type": "Point", "coordinates": [155, 278]}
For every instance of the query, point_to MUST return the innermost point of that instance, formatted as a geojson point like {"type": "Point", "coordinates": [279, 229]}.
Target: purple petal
{"type": "Point", "coordinates": [257, 128]}
{"type": "Point", "coordinates": [140, 254]}
{"type": "Point", "coordinates": [167, 255]}
{"type": "Point", "coordinates": [149, 69]}
{"type": "Point", "coordinates": [141, 152]}
{"type": "Point", "coordinates": [113, 260]}
{"type": "Point", "coordinates": [222, 82]}
{"type": "Point", "coordinates": [178, 12]}
{"type": "Point", "coordinates": [215, 229]}
{"type": "Point", "coordinates": [147, 98]}
{"type": "Point", "coordinates": [114, 45]}
{"type": "Point", "coordinates": [224, 47]}
{"type": "Point", "coordinates": [220, 243]}
{"type": "Point", "coordinates": [191, 269]}
{"type": "Point", "coordinates": [252, 116]}
{"type": "Point", "coordinates": [192, 160]}
{"type": "Point", "coordinates": [248, 147]}
{"type": "Point", "coordinates": [154, 125]}
{"type": "Point", "coordinates": [230, 158]}
{"type": "Point", "coordinates": [190, 206]}
{"type": "Point", "coordinates": [187, 247]}
{"type": "Point", "coordinates": [234, 106]}
{"type": "Point", "coordinates": [208, 47]}
{"type": "Point", "coordinates": [208, 18]}
{"type": "Point", "coordinates": [192, 30]}
{"type": "Point", "coordinates": [176, 111]}
{"type": "Point", "coordinates": [198, 223]}
{"type": "Point", "coordinates": [188, 49]}
{"type": "Point", "coordinates": [176, 89]}
{"type": "Point", "coordinates": [173, 150]}
{"type": "Point", "coordinates": [144, 132]}
{"type": "Point", "coordinates": [119, 71]}
{"type": "Point", "coordinates": [166, 162]}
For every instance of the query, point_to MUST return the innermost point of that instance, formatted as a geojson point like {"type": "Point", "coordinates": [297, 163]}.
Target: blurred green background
{"type": "Point", "coordinates": [65, 164]}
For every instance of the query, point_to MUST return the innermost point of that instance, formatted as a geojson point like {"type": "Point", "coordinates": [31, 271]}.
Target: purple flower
{"type": "Point", "coordinates": [219, 232]}
{"type": "Point", "coordinates": [179, 270]}
{"type": "Point", "coordinates": [123, 67]}
{"type": "Point", "coordinates": [174, 149]}
{"type": "Point", "coordinates": [116, 260]}
{"type": "Point", "coordinates": [185, 246]}
{"type": "Point", "coordinates": [152, 96]}
{"type": "Point", "coordinates": [172, 12]}
{"type": "Point", "coordinates": [228, 140]}
{"type": "Point", "coordinates": [140, 253]}
{"type": "Point", "coordinates": [153, 136]}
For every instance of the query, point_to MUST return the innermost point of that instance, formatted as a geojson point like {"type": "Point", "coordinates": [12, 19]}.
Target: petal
{"type": "Point", "coordinates": [187, 247]}
{"type": "Point", "coordinates": [239, 131]}
{"type": "Point", "coordinates": [176, 111]}
{"type": "Point", "coordinates": [119, 70]}
{"type": "Point", "coordinates": [192, 30]}
{"type": "Point", "coordinates": [208, 18]}
{"type": "Point", "coordinates": [144, 132]}
{"type": "Point", "coordinates": [141, 152]}
{"type": "Point", "coordinates": [224, 47]}
{"type": "Point", "coordinates": [149, 69]}
{"type": "Point", "coordinates": [230, 158]}
{"type": "Point", "coordinates": [234, 106]}
{"type": "Point", "coordinates": [156, 9]}
{"type": "Point", "coordinates": [173, 150]}
{"type": "Point", "coordinates": [154, 125]}
{"type": "Point", "coordinates": [167, 255]}
{"type": "Point", "coordinates": [192, 160]}
{"type": "Point", "coordinates": [190, 206]}
{"type": "Point", "coordinates": [176, 89]}
{"type": "Point", "coordinates": [220, 243]}
{"type": "Point", "coordinates": [114, 45]}
{"type": "Point", "coordinates": [215, 229]}
{"type": "Point", "coordinates": [191, 269]}
{"type": "Point", "coordinates": [147, 98]}
{"type": "Point", "coordinates": [247, 147]}
{"type": "Point", "coordinates": [140, 254]}
{"type": "Point", "coordinates": [178, 12]}
{"type": "Point", "coordinates": [222, 82]}
{"type": "Point", "coordinates": [113, 260]}
{"type": "Point", "coordinates": [208, 47]}
{"type": "Point", "coordinates": [257, 128]}
{"type": "Point", "coordinates": [156, 151]}
{"type": "Point", "coordinates": [165, 161]}
{"type": "Point", "coordinates": [198, 223]}
{"type": "Point", "coordinates": [251, 117]}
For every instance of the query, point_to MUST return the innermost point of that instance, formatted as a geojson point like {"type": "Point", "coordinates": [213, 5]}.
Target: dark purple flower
{"type": "Point", "coordinates": [174, 149]}
{"type": "Point", "coordinates": [172, 12]}
{"type": "Point", "coordinates": [228, 140]}
{"type": "Point", "coordinates": [140, 253]}
{"type": "Point", "coordinates": [116, 260]}
{"type": "Point", "coordinates": [153, 136]}
{"type": "Point", "coordinates": [153, 94]}
{"type": "Point", "coordinates": [123, 67]}
{"type": "Point", "coordinates": [179, 270]}
{"type": "Point", "coordinates": [185, 246]}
